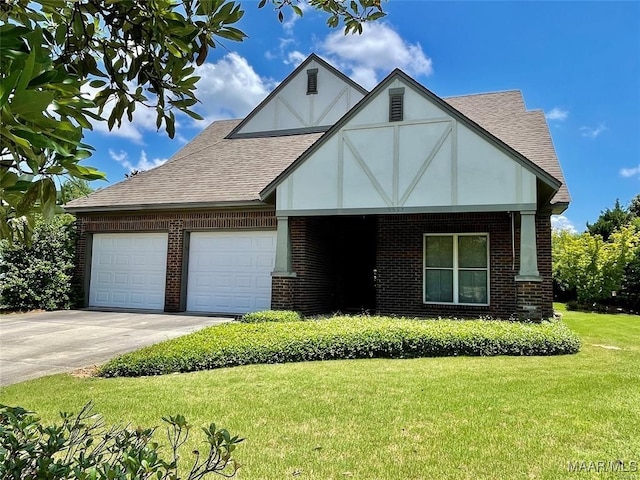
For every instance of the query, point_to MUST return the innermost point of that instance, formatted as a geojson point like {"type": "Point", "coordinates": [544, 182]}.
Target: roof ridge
{"type": "Point", "coordinates": [484, 93]}
{"type": "Point", "coordinates": [177, 155]}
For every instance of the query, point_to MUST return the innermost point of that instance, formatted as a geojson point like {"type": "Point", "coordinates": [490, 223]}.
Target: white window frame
{"type": "Point", "coordinates": [455, 268]}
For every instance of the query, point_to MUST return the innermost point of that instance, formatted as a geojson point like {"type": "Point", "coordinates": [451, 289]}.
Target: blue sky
{"type": "Point", "coordinates": [578, 61]}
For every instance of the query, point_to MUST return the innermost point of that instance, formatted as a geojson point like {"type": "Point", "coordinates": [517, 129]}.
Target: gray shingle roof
{"type": "Point", "coordinates": [208, 170]}
{"type": "Point", "coordinates": [212, 170]}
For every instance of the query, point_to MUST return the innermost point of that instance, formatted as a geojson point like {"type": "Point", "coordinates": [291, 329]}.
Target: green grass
{"type": "Point", "coordinates": [426, 418]}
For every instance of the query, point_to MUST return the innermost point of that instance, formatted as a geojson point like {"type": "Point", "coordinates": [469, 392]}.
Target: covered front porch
{"type": "Point", "coordinates": [329, 265]}
{"type": "Point", "coordinates": [377, 264]}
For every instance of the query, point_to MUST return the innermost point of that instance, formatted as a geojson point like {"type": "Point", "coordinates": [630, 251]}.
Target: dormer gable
{"type": "Point", "coordinates": [311, 99]}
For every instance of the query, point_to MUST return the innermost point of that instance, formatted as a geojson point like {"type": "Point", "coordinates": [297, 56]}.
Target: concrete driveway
{"type": "Point", "coordinates": [37, 344]}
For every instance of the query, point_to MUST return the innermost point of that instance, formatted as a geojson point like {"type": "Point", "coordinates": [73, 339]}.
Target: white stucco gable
{"type": "Point", "coordinates": [432, 160]}
{"type": "Point", "coordinates": [311, 99]}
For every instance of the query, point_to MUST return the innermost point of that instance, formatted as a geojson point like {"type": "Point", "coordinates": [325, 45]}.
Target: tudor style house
{"type": "Point", "coordinates": [329, 198]}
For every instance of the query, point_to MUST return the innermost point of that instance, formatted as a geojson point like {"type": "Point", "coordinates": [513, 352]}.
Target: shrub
{"type": "Point", "coordinates": [272, 316]}
{"type": "Point", "coordinates": [234, 344]}
{"type": "Point", "coordinates": [38, 276]}
{"type": "Point", "coordinates": [83, 447]}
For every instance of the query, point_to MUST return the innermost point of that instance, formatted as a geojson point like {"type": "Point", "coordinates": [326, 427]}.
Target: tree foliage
{"type": "Point", "coordinates": [634, 206]}
{"type": "Point", "coordinates": [609, 221]}
{"type": "Point", "coordinates": [66, 63]}
{"type": "Point", "coordinates": [591, 266]}
{"type": "Point", "coordinates": [72, 189]}
{"type": "Point", "coordinates": [601, 265]}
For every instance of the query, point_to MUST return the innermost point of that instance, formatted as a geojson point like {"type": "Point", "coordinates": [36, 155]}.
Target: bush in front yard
{"type": "Point", "coordinates": [38, 276]}
{"type": "Point", "coordinates": [82, 446]}
{"type": "Point", "coordinates": [344, 337]}
{"type": "Point", "coordinates": [271, 316]}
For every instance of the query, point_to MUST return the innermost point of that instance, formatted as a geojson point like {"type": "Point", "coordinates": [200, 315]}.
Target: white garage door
{"type": "Point", "coordinates": [230, 272]}
{"type": "Point", "coordinates": [128, 270]}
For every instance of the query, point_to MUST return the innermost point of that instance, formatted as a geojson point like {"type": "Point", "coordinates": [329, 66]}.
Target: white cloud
{"type": "Point", "coordinates": [143, 163]}
{"type": "Point", "coordinates": [560, 222]}
{"type": "Point", "coordinates": [593, 132]}
{"type": "Point", "coordinates": [375, 53]}
{"type": "Point", "coordinates": [630, 172]}
{"type": "Point", "coordinates": [295, 58]}
{"type": "Point", "coordinates": [230, 88]}
{"type": "Point", "coordinates": [557, 114]}
{"type": "Point", "coordinates": [289, 23]}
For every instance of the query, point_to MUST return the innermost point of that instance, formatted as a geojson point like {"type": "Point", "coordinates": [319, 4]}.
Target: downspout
{"type": "Point", "coordinates": [513, 242]}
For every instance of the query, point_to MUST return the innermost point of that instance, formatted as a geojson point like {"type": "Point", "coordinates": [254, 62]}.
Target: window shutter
{"type": "Point", "coordinates": [396, 104]}
{"type": "Point", "coordinates": [312, 81]}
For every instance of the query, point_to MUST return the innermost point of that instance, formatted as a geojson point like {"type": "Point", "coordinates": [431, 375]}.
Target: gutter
{"type": "Point", "coordinates": [253, 204]}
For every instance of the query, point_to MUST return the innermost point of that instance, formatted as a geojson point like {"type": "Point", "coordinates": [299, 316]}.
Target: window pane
{"type": "Point", "coordinates": [439, 251]}
{"type": "Point", "coordinates": [438, 286]}
{"type": "Point", "coordinates": [472, 286]}
{"type": "Point", "coordinates": [472, 251]}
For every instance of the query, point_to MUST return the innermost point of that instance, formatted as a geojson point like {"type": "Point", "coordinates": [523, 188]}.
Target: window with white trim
{"type": "Point", "coordinates": [456, 268]}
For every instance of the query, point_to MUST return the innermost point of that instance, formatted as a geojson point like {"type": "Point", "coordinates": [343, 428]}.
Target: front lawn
{"type": "Point", "coordinates": [454, 417]}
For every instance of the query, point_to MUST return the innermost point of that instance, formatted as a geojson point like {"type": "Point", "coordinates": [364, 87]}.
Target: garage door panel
{"type": "Point", "coordinates": [105, 259]}
{"type": "Point", "coordinates": [244, 261]}
{"type": "Point", "coordinates": [128, 270]}
{"type": "Point", "coordinates": [230, 272]}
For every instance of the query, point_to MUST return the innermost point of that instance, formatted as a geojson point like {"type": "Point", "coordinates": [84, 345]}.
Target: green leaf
{"type": "Point", "coordinates": [8, 179]}
{"type": "Point", "coordinates": [48, 198]}
{"type": "Point", "coordinates": [27, 69]}
{"type": "Point", "coordinates": [193, 114]}
{"type": "Point", "coordinates": [61, 33]}
{"type": "Point", "coordinates": [97, 83]}
{"type": "Point", "coordinates": [43, 78]}
{"type": "Point", "coordinates": [7, 84]}
{"type": "Point", "coordinates": [38, 140]}
{"type": "Point", "coordinates": [29, 199]}
{"type": "Point", "coordinates": [171, 125]}
{"type": "Point", "coordinates": [30, 102]}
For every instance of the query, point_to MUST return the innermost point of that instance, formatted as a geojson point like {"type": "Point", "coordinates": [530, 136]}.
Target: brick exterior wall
{"type": "Point", "coordinates": [315, 257]}
{"type": "Point", "coordinates": [312, 261]}
{"type": "Point", "coordinates": [176, 224]}
{"type": "Point", "coordinates": [400, 263]}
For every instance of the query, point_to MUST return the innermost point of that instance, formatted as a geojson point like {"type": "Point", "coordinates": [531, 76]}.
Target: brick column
{"type": "Point", "coordinates": [282, 288]}
{"type": "Point", "coordinates": [175, 249]}
{"type": "Point", "coordinates": [80, 281]}
{"type": "Point", "coordinates": [534, 295]}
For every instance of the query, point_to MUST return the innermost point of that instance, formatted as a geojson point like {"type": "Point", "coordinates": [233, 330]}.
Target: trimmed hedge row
{"type": "Point", "coordinates": [271, 316]}
{"type": "Point", "coordinates": [234, 344]}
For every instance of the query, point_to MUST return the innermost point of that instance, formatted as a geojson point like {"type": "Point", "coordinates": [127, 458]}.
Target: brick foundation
{"type": "Point", "coordinates": [282, 292]}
